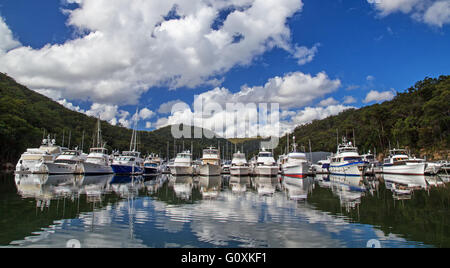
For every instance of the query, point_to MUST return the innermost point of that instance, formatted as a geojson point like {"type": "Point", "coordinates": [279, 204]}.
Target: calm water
{"type": "Point", "coordinates": [164, 211]}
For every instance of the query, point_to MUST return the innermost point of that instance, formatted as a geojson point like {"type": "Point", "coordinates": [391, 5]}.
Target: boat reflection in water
{"type": "Point", "coordinates": [182, 185]}
{"type": "Point", "coordinates": [126, 186]}
{"type": "Point", "coordinates": [210, 186]}
{"type": "Point", "coordinates": [348, 189]}
{"type": "Point", "coordinates": [239, 184]}
{"type": "Point", "coordinates": [44, 187]}
{"type": "Point", "coordinates": [154, 183]}
{"type": "Point", "coordinates": [94, 187]}
{"type": "Point", "coordinates": [403, 186]}
{"type": "Point", "coordinates": [266, 185]}
{"type": "Point", "coordinates": [298, 189]}
{"type": "Point", "coordinates": [125, 211]}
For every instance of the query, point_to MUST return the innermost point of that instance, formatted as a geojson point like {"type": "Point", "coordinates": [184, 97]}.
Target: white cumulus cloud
{"type": "Point", "coordinates": [379, 96]}
{"type": "Point", "coordinates": [432, 12]}
{"type": "Point", "coordinates": [125, 47]}
{"type": "Point", "coordinates": [291, 93]}
{"type": "Point", "coordinates": [7, 40]}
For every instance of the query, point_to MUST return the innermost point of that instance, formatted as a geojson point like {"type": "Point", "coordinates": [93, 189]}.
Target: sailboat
{"type": "Point", "coordinates": [98, 161]}
{"type": "Point", "coordinates": [130, 162]}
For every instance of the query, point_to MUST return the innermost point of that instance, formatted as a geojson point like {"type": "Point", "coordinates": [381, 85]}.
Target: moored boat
{"type": "Point", "coordinates": [130, 162]}
{"type": "Point", "coordinates": [152, 164]}
{"type": "Point", "coordinates": [182, 165]}
{"type": "Point", "coordinates": [295, 164]}
{"type": "Point", "coordinates": [266, 164]}
{"type": "Point", "coordinates": [34, 159]}
{"type": "Point", "coordinates": [347, 161]}
{"type": "Point", "coordinates": [98, 161]}
{"type": "Point", "coordinates": [69, 162]}
{"type": "Point", "coordinates": [210, 163]}
{"type": "Point", "coordinates": [239, 165]}
{"type": "Point", "coordinates": [399, 162]}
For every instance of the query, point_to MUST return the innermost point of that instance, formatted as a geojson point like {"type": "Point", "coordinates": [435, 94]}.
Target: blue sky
{"type": "Point", "coordinates": [382, 47]}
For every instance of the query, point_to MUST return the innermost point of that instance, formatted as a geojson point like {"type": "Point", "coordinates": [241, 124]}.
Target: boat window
{"type": "Point", "coordinates": [265, 155]}
{"type": "Point", "coordinates": [352, 158]}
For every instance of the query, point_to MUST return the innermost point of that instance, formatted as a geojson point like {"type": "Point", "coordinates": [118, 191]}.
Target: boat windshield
{"type": "Point", "coordinates": [265, 155]}
{"type": "Point", "coordinates": [126, 158]}
{"type": "Point", "coordinates": [184, 156]}
{"type": "Point", "coordinates": [70, 153]}
{"type": "Point", "coordinates": [353, 159]}
{"type": "Point", "coordinates": [209, 151]}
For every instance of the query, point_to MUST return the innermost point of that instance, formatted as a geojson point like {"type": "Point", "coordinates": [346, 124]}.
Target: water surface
{"type": "Point", "coordinates": [166, 211]}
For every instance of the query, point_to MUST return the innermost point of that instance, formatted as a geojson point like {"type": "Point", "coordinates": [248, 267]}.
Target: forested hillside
{"type": "Point", "coordinates": [417, 119]}
{"type": "Point", "coordinates": [25, 115]}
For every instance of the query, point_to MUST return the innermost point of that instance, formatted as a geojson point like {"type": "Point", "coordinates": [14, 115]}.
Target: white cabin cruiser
{"type": "Point", "coordinates": [295, 164]}
{"type": "Point", "coordinates": [347, 161]}
{"type": "Point", "coordinates": [34, 159]}
{"type": "Point", "coordinates": [266, 164]}
{"type": "Point", "coordinates": [399, 162]}
{"type": "Point", "coordinates": [239, 165]}
{"type": "Point", "coordinates": [210, 163]}
{"type": "Point", "coordinates": [182, 165]}
{"type": "Point", "coordinates": [97, 162]}
{"type": "Point", "coordinates": [69, 162]}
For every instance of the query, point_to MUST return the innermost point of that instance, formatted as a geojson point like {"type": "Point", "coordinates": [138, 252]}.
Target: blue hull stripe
{"type": "Point", "coordinates": [349, 164]}
{"type": "Point", "coordinates": [118, 169]}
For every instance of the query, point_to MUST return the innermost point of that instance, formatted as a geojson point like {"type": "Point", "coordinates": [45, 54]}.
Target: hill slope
{"type": "Point", "coordinates": [418, 119]}
{"type": "Point", "coordinates": [25, 114]}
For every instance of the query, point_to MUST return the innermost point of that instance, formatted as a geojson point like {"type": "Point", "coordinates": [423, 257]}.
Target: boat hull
{"type": "Point", "coordinates": [182, 170]}
{"type": "Point", "coordinates": [239, 171]}
{"type": "Point", "coordinates": [63, 168]}
{"type": "Point", "coordinates": [349, 169]}
{"type": "Point", "coordinates": [96, 169]}
{"type": "Point", "coordinates": [126, 169]}
{"type": "Point", "coordinates": [266, 171]}
{"type": "Point", "coordinates": [210, 170]}
{"type": "Point", "coordinates": [151, 170]}
{"type": "Point", "coordinates": [408, 169]}
{"type": "Point", "coordinates": [31, 167]}
{"type": "Point", "coordinates": [296, 171]}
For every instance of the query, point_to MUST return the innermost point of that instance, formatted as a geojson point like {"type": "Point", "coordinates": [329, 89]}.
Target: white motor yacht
{"type": "Point", "coordinates": [69, 162]}
{"type": "Point", "coordinates": [399, 162]}
{"type": "Point", "coordinates": [210, 163]}
{"type": "Point", "coordinates": [347, 161]}
{"type": "Point", "coordinates": [266, 164]}
{"type": "Point", "coordinates": [34, 159]}
{"type": "Point", "coordinates": [239, 165]}
{"type": "Point", "coordinates": [295, 164]}
{"type": "Point", "coordinates": [182, 165]}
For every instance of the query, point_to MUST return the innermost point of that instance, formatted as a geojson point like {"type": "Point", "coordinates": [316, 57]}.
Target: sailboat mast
{"type": "Point", "coordinates": [99, 134]}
